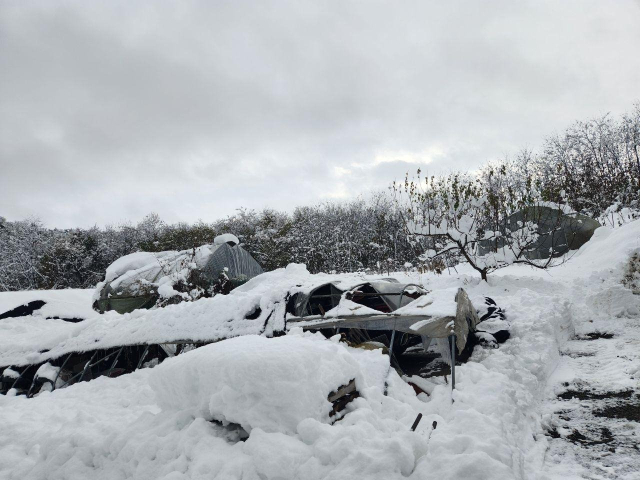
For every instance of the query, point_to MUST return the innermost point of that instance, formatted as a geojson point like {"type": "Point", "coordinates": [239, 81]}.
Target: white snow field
{"type": "Point", "coordinates": [512, 415]}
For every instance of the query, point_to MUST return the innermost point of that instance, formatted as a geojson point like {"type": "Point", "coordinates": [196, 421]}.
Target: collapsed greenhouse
{"type": "Point", "coordinates": [378, 313]}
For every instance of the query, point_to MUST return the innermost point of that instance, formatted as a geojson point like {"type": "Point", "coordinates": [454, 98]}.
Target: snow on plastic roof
{"type": "Point", "coordinates": [151, 266]}
{"type": "Point", "coordinates": [69, 303]}
{"type": "Point", "coordinates": [226, 238]}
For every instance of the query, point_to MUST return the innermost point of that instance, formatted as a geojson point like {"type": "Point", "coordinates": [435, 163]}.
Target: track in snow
{"type": "Point", "coordinates": [594, 416]}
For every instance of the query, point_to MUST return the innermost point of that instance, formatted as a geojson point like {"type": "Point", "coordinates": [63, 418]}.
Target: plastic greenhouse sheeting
{"type": "Point", "coordinates": [138, 280]}
{"type": "Point", "coordinates": [235, 261]}
{"type": "Point", "coordinates": [559, 231]}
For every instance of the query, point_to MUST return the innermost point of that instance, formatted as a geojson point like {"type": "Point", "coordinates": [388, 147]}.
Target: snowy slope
{"type": "Point", "coordinates": [506, 421]}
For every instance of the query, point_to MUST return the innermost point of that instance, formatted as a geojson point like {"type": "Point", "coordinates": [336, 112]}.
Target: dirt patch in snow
{"type": "Point", "coordinates": [605, 437]}
{"type": "Point", "coordinates": [626, 410]}
{"type": "Point", "coordinates": [592, 395]}
{"type": "Point", "coordinates": [578, 354]}
{"type": "Point", "coordinates": [595, 336]}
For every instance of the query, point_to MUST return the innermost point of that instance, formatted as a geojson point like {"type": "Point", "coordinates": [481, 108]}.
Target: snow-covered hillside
{"type": "Point", "coordinates": [550, 403]}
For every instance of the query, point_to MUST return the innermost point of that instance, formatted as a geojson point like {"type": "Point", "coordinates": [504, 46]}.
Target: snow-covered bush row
{"type": "Point", "coordinates": [362, 234]}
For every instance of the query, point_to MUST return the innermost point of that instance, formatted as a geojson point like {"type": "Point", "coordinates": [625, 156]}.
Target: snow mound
{"type": "Point", "coordinates": [608, 250]}
{"type": "Point", "coordinates": [267, 383]}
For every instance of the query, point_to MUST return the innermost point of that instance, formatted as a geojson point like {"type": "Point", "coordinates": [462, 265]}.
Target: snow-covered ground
{"type": "Point", "coordinates": [512, 415]}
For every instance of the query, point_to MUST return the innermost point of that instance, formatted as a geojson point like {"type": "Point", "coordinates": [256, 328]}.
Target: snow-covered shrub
{"type": "Point", "coordinates": [617, 214]}
{"type": "Point", "coordinates": [22, 246]}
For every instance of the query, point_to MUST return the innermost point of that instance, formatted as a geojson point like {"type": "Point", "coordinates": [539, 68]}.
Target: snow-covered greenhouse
{"type": "Point", "coordinates": [141, 279]}
{"type": "Point", "coordinates": [559, 229]}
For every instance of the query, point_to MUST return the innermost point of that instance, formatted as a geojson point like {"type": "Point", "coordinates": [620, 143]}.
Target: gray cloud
{"type": "Point", "coordinates": [110, 110]}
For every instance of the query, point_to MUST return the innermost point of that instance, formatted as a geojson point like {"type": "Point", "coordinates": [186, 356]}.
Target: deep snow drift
{"type": "Point", "coordinates": [505, 421]}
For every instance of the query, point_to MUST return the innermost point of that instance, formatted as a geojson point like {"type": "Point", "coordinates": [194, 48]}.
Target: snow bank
{"type": "Point", "coordinates": [608, 250]}
{"type": "Point", "coordinates": [267, 383]}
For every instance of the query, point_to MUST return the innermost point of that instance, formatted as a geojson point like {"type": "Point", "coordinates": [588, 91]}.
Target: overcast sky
{"type": "Point", "coordinates": [111, 110]}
